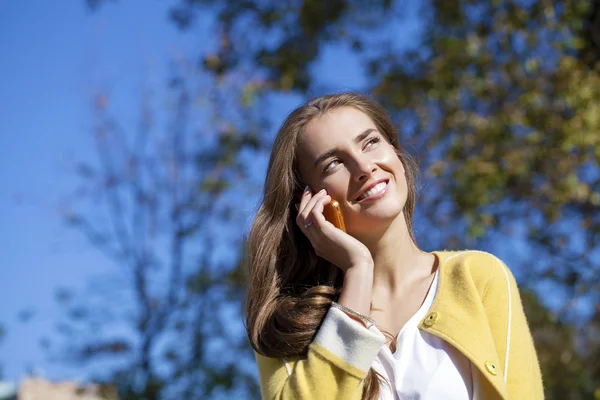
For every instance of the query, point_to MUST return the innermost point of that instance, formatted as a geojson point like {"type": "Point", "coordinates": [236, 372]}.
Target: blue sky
{"type": "Point", "coordinates": [53, 60]}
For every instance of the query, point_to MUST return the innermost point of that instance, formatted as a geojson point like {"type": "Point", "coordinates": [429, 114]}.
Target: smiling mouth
{"type": "Point", "coordinates": [377, 189]}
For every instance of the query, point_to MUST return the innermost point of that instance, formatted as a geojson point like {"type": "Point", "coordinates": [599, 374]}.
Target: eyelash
{"type": "Point", "coordinates": [372, 140]}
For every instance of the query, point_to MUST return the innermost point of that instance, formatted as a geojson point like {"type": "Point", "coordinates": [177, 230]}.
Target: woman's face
{"type": "Point", "coordinates": [343, 152]}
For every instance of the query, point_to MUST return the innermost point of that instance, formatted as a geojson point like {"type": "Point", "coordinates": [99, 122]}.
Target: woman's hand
{"type": "Point", "coordinates": [329, 243]}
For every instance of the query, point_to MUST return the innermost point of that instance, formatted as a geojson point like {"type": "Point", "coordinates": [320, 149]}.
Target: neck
{"type": "Point", "coordinates": [398, 260]}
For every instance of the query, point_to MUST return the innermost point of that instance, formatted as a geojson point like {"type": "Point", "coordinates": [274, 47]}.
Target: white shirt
{"type": "Point", "coordinates": [424, 367]}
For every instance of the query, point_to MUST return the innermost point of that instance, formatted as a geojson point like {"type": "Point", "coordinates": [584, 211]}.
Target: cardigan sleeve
{"type": "Point", "coordinates": [337, 362]}
{"type": "Point", "coordinates": [518, 357]}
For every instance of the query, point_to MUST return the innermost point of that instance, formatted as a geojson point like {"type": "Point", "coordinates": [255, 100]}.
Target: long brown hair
{"type": "Point", "coordinates": [291, 288]}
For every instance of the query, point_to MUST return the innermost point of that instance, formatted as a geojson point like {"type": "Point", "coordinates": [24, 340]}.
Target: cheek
{"type": "Point", "coordinates": [400, 175]}
{"type": "Point", "coordinates": [393, 160]}
{"type": "Point", "coordinates": [389, 161]}
{"type": "Point", "coordinates": [337, 186]}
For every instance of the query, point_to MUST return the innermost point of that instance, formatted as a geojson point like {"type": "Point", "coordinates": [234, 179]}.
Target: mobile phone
{"type": "Point", "coordinates": [333, 214]}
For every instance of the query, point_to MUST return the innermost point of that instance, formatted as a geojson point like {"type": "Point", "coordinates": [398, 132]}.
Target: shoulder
{"type": "Point", "coordinates": [485, 270]}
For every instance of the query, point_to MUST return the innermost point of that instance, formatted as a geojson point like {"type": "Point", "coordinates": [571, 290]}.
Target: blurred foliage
{"type": "Point", "coordinates": [167, 323]}
{"type": "Point", "coordinates": [500, 102]}
{"type": "Point", "coordinates": [565, 370]}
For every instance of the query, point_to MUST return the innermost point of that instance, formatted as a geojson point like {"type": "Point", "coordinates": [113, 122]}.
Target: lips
{"type": "Point", "coordinates": [370, 187]}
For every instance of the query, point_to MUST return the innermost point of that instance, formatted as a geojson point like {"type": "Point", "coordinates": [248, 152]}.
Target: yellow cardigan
{"type": "Point", "coordinates": [477, 309]}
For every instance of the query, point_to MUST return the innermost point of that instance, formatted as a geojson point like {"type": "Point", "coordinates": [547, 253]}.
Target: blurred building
{"type": "Point", "coordinates": [40, 389]}
{"type": "Point", "coordinates": [8, 391]}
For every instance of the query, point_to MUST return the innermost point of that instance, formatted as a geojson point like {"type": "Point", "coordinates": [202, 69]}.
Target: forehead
{"type": "Point", "coordinates": [333, 129]}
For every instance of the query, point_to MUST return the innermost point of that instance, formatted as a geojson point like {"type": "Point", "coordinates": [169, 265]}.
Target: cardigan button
{"type": "Point", "coordinates": [491, 367]}
{"type": "Point", "coordinates": [431, 319]}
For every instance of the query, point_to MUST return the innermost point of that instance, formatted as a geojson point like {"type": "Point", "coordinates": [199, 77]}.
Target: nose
{"type": "Point", "coordinates": [364, 169]}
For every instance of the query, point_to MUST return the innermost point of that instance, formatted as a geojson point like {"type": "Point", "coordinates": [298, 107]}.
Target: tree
{"type": "Point", "coordinates": [498, 101]}
{"type": "Point", "coordinates": [168, 323]}
{"type": "Point", "coordinates": [564, 365]}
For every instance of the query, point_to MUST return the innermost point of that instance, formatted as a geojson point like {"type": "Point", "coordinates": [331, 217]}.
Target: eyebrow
{"type": "Point", "coordinates": [359, 138]}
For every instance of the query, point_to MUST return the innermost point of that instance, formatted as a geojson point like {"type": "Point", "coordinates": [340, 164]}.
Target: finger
{"type": "Point", "coordinates": [304, 199]}
{"type": "Point", "coordinates": [314, 215]}
{"type": "Point", "coordinates": [311, 203]}
{"type": "Point", "coordinates": [303, 220]}
{"type": "Point", "coordinates": [306, 196]}
{"type": "Point", "coordinates": [318, 207]}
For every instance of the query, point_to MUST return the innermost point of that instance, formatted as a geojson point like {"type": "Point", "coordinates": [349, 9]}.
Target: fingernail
{"type": "Point", "coordinates": [306, 189]}
{"type": "Point", "coordinates": [296, 205]}
{"type": "Point", "coordinates": [322, 191]}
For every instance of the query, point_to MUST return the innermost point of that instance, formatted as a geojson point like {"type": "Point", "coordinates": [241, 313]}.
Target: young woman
{"type": "Point", "coordinates": [319, 298]}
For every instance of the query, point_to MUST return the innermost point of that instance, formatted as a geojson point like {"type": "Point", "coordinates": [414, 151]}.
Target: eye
{"type": "Point", "coordinates": [331, 164]}
{"type": "Point", "coordinates": [372, 141]}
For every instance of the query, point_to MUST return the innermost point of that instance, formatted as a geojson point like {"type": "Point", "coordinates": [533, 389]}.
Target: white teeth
{"type": "Point", "coordinates": [376, 189]}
